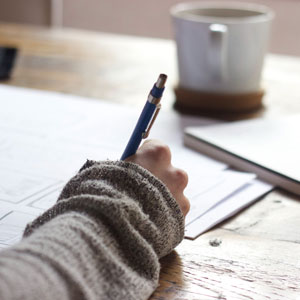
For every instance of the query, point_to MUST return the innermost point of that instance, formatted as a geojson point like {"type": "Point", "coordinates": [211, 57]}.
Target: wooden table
{"type": "Point", "coordinates": [258, 256]}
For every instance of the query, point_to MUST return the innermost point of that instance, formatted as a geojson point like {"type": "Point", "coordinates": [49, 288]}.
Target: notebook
{"type": "Point", "coordinates": [270, 148]}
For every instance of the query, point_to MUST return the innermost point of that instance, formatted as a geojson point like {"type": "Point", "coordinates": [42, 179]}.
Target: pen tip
{"type": "Point", "coordinates": [160, 83]}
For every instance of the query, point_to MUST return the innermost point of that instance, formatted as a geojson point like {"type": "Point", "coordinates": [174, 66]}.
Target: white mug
{"type": "Point", "coordinates": [221, 45]}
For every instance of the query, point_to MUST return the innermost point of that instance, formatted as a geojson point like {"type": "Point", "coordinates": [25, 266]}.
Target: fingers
{"type": "Point", "coordinates": [178, 178]}
{"type": "Point", "coordinates": [156, 151]}
{"type": "Point", "coordinates": [155, 156]}
{"type": "Point", "coordinates": [184, 204]}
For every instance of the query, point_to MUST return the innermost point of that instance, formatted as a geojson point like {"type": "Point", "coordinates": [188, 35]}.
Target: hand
{"type": "Point", "coordinates": [156, 158]}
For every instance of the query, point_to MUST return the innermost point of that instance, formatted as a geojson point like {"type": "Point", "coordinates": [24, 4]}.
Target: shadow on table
{"type": "Point", "coordinates": [171, 277]}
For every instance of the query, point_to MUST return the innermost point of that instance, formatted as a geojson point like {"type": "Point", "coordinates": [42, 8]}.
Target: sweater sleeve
{"type": "Point", "coordinates": [102, 240]}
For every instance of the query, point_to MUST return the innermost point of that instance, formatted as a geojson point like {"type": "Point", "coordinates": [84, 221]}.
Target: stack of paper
{"type": "Point", "coordinates": [46, 137]}
{"type": "Point", "coordinates": [215, 192]}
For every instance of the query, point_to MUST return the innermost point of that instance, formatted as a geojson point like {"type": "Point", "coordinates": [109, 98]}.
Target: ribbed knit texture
{"type": "Point", "coordinates": [102, 240]}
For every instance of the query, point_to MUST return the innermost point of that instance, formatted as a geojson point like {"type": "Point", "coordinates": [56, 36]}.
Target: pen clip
{"type": "Point", "coordinates": [146, 133]}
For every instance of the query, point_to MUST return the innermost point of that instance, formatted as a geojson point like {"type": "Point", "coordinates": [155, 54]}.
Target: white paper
{"type": "Point", "coordinates": [46, 137]}
{"type": "Point", "coordinates": [227, 208]}
{"type": "Point", "coordinates": [224, 184]}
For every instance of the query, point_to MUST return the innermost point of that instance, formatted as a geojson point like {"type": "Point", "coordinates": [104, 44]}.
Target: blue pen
{"type": "Point", "coordinates": [147, 117]}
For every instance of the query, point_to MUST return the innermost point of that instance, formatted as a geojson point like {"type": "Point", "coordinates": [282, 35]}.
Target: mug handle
{"type": "Point", "coordinates": [217, 51]}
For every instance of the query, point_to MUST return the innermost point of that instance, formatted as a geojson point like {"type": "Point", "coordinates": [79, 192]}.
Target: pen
{"type": "Point", "coordinates": [147, 117]}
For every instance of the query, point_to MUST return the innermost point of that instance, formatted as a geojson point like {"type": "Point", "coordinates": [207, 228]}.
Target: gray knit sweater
{"type": "Point", "coordinates": [102, 240]}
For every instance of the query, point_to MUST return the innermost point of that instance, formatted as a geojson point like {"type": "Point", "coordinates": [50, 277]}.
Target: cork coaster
{"type": "Point", "coordinates": [203, 102]}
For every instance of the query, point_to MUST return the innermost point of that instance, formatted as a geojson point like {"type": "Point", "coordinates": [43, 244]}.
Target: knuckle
{"type": "Point", "coordinates": [181, 178]}
{"type": "Point", "coordinates": [186, 206]}
{"type": "Point", "coordinates": [160, 152]}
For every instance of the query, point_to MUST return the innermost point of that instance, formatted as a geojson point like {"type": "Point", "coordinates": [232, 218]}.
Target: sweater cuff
{"type": "Point", "coordinates": [130, 181]}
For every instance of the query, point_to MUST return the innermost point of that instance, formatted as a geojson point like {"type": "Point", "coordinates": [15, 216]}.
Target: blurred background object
{"type": "Point", "coordinates": [140, 17]}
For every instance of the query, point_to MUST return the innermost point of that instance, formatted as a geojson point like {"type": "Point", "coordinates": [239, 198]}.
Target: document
{"type": "Point", "coordinates": [46, 137]}
{"type": "Point", "coordinates": [222, 185]}
{"type": "Point", "coordinates": [227, 207]}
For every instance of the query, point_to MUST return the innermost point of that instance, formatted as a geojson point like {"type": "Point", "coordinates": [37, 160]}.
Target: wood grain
{"type": "Point", "coordinates": [258, 254]}
{"type": "Point", "coordinates": [104, 66]}
{"type": "Point", "coordinates": [258, 257]}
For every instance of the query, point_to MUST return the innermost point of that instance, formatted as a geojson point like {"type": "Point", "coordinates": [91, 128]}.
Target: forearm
{"type": "Point", "coordinates": [102, 240]}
